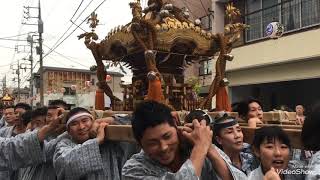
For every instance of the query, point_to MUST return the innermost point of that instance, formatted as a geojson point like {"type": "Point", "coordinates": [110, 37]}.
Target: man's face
{"type": "Point", "coordinates": [20, 110]}
{"type": "Point", "coordinates": [231, 138]}
{"type": "Point", "coordinates": [161, 143]}
{"type": "Point", "coordinates": [18, 113]}
{"type": "Point", "coordinates": [255, 111]}
{"type": "Point", "coordinates": [9, 116]}
{"type": "Point", "coordinates": [79, 129]}
{"type": "Point", "coordinates": [51, 114]}
{"type": "Point", "coordinates": [38, 122]}
{"type": "Point", "coordinates": [299, 110]}
{"type": "Point", "coordinates": [61, 106]}
{"type": "Point", "coordinates": [273, 154]}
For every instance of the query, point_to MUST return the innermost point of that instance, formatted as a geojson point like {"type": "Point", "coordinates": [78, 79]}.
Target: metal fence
{"type": "Point", "coordinates": [293, 14]}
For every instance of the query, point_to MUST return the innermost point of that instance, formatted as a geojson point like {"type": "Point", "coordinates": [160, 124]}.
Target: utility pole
{"type": "Point", "coordinates": [39, 49]}
{"type": "Point", "coordinates": [4, 84]}
{"type": "Point", "coordinates": [40, 31]}
{"type": "Point", "coordinates": [17, 72]}
{"type": "Point", "coordinates": [19, 81]}
{"type": "Point", "coordinates": [30, 40]}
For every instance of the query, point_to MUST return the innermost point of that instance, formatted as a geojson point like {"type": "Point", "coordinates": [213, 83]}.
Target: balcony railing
{"type": "Point", "coordinates": [293, 14]}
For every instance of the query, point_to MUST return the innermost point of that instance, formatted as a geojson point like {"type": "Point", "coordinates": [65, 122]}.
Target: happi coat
{"type": "Point", "coordinates": [89, 160]}
{"type": "Point", "coordinates": [20, 151]}
{"type": "Point", "coordinates": [142, 167]}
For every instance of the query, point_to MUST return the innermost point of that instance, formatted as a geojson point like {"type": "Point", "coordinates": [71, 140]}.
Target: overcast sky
{"type": "Point", "coordinates": [56, 15]}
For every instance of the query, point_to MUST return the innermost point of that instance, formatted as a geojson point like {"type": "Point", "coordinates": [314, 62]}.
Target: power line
{"type": "Point", "coordinates": [13, 36]}
{"type": "Point", "coordinates": [67, 58]}
{"type": "Point", "coordinates": [187, 6]}
{"type": "Point", "coordinates": [8, 39]}
{"type": "Point", "coordinates": [14, 52]}
{"type": "Point", "coordinates": [194, 5]}
{"type": "Point", "coordinates": [26, 78]}
{"type": "Point", "coordinates": [35, 65]}
{"type": "Point", "coordinates": [74, 29]}
{"type": "Point", "coordinates": [6, 48]}
{"type": "Point", "coordinates": [56, 60]}
{"type": "Point", "coordinates": [76, 10]}
{"type": "Point", "coordinates": [205, 10]}
{"type": "Point", "coordinates": [55, 44]}
{"type": "Point", "coordinates": [8, 64]}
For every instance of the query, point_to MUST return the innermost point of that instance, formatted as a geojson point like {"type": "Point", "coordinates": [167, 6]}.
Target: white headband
{"type": "Point", "coordinates": [73, 118]}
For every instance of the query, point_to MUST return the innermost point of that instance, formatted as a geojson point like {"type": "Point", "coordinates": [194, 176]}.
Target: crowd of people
{"type": "Point", "coordinates": [46, 143]}
{"type": "Point", "coordinates": [251, 111]}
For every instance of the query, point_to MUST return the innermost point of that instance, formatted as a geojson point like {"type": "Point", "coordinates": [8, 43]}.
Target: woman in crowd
{"type": "Point", "coordinates": [310, 138]}
{"type": "Point", "coordinates": [229, 137]}
{"type": "Point", "coordinates": [250, 111]}
{"type": "Point", "coordinates": [272, 147]}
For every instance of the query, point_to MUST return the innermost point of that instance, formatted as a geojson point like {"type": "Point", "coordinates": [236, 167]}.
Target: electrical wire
{"type": "Point", "coordinates": [76, 10]}
{"type": "Point", "coordinates": [194, 6]}
{"type": "Point", "coordinates": [26, 77]}
{"type": "Point", "coordinates": [6, 47]}
{"type": "Point", "coordinates": [7, 37]}
{"type": "Point", "coordinates": [65, 65]}
{"type": "Point", "coordinates": [8, 64]}
{"type": "Point", "coordinates": [51, 50]}
{"type": "Point", "coordinates": [55, 44]}
{"type": "Point", "coordinates": [68, 58]}
{"type": "Point", "coordinates": [205, 10]}
{"type": "Point", "coordinates": [189, 9]}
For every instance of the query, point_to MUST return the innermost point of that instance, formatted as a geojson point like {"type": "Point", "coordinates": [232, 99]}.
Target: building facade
{"type": "Point", "coordinates": [76, 86]}
{"type": "Point", "coordinates": [283, 71]}
{"type": "Point", "coordinates": [203, 10]}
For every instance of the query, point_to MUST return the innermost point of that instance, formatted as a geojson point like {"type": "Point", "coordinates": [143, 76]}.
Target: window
{"type": "Point", "coordinates": [206, 23]}
{"type": "Point", "coordinates": [310, 12]}
{"type": "Point", "coordinates": [69, 91]}
{"type": "Point", "coordinates": [293, 14]}
{"type": "Point", "coordinates": [253, 19]}
{"type": "Point", "coordinates": [205, 67]}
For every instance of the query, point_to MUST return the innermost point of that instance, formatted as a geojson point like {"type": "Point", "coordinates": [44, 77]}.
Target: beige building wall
{"type": "Point", "coordinates": [294, 47]}
{"type": "Point", "coordinates": [290, 57]}
{"type": "Point", "coordinates": [298, 70]}
{"type": "Point", "coordinates": [219, 16]}
{"type": "Point", "coordinates": [294, 56]}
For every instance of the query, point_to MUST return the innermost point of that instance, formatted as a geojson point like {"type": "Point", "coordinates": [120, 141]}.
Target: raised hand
{"type": "Point", "coordinates": [53, 126]}
{"type": "Point", "coordinates": [101, 132]}
{"type": "Point", "coordinates": [271, 175]}
{"type": "Point", "coordinates": [96, 124]}
{"type": "Point", "coordinates": [57, 119]}
{"type": "Point", "coordinates": [200, 136]}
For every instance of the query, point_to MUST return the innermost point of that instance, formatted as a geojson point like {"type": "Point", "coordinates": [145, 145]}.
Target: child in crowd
{"type": "Point", "coordinates": [272, 147]}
